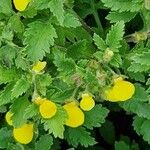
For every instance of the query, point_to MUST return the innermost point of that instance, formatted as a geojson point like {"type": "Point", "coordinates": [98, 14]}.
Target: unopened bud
{"type": "Point", "coordinates": [140, 36]}
{"type": "Point", "coordinates": [147, 4]}
{"type": "Point", "coordinates": [93, 64]}
{"type": "Point", "coordinates": [108, 55]}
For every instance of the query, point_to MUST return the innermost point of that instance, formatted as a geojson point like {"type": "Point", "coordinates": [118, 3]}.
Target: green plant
{"type": "Point", "coordinates": [54, 53]}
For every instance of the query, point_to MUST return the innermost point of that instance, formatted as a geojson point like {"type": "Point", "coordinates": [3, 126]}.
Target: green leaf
{"type": "Point", "coordinates": [115, 35]}
{"type": "Point", "coordinates": [7, 33]}
{"type": "Point", "coordinates": [12, 146]}
{"type": "Point", "coordinates": [107, 131]}
{"type": "Point", "coordinates": [18, 109]}
{"type": "Point", "coordinates": [137, 76]}
{"type": "Point", "coordinates": [76, 136]}
{"type": "Point", "coordinates": [79, 33]}
{"type": "Point", "coordinates": [136, 67]}
{"type": "Point", "coordinates": [95, 117]}
{"type": "Point", "coordinates": [140, 61]}
{"type": "Point", "coordinates": [41, 4]}
{"type": "Point", "coordinates": [116, 61]}
{"type": "Point", "coordinates": [5, 7]}
{"type": "Point", "coordinates": [141, 126]}
{"type": "Point", "coordinates": [65, 65]}
{"type": "Point", "coordinates": [90, 78]}
{"type": "Point", "coordinates": [141, 94]}
{"type": "Point", "coordinates": [5, 137]}
{"type": "Point", "coordinates": [44, 143]}
{"type": "Point", "coordinates": [43, 81]}
{"type": "Point", "coordinates": [79, 50]}
{"type": "Point", "coordinates": [56, 7]}
{"type": "Point", "coordinates": [137, 123]}
{"type": "Point", "coordinates": [21, 86]}
{"type": "Point", "coordinates": [16, 23]}
{"type": "Point", "coordinates": [8, 75]}
{"type": "Point", "coordinates": [121, 145]}
{"type": "Point", "coordinates": [123, 16]}
{"type": "Point", "coordinates": [5, 95]}
{"type": "Point", "coordinates": [99, 42]}
{"type": "Point", "coordinates": [31, 111]}
{"type": "Point", "coordinates": [123, 5]}
{"type": "Point", "coordinates": [39, 36]}
{"type": "Point", "coordinates": [62, 96]}
{"type": "Point", "coordinates": [8, 54]}
{"type": "Point", "coordinates": [55, 125]}
{"type": "Point", "coordinates": [71, 20]}
{"type": "Point", "coordinates": [137, 104]}
{"type": "Point", "coordinates": [21, 62]}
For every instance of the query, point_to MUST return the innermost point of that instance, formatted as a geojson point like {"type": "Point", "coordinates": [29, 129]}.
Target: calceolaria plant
{"type": "Point", "coordinates": [67, 67]}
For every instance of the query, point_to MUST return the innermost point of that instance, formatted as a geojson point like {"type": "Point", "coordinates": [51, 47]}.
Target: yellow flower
{"type": "Point", "coordinates": [87, 102]}
{"type": "Point", "coordinates": [21, 5]}
{"type": "Point", "coordinates": [121, 91]}
{"type": "Point", "coordinates": [24, 134]}
{"type": "Point", "coordinates": [39, 66]}
{"type": "Point", "coordinates": [39, 100]}
{"type": "Point", "coordinates": [48, 109]}
{"type": "Point", "coordinates": [8, 118]}
{"type": "Point", "coordinates": [75, 115]}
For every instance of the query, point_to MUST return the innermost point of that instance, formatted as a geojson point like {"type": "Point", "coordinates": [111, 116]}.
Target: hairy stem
{"type": "Point", "coordinates": [96, 17]}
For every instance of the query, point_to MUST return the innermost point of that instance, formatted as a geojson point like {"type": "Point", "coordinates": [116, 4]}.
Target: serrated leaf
{"type": "Point", "coordinates": [79, 50]}
{"type": "Point", "coordinates": [18, 109]}
{"type": "Point", "coordinates": [138, 103]}
{"type": "Point", "coordinates": [99, 42]}
{"type": "Point", "coordinates": [141, 126]}
{"type": "Point", "coordinates": [65, 65]}
{"type": "Point", "coordinates": [30, 11]}
{"type": "Point", "coordinates": [31, 111]}
{"type": "Point", "coordinates": [8, 54]}
{"type": "Point", "coordinates": [76, 136]}
{"type": "Point", "coordinates": [12, 146]}
{"type": "Point", "coordinates": [16, 23]}
{"type": "Point", "coordinates": [39, 36]}
{"type": "Point", "coordinates": [5, 7]}
{"type": "Point", "coordinates": [45, 142]}
{"type": "Point", "coordinates": [62, 96]}
{"type": "Point", "coordinates": [90, 78]}
{"type": "Point", "coordinates": [136, 67]}
{"type": "Point", "coordinates": [8, 75]}
{"type": "Point", "coordinates": [21, 62]}
{"type": "Point", "coordinates": [137, 123]}
{"type": "Point", "coordinates": [40, 5]}
{"type": "Point", "coordinates": [71, 20]}
{"type": "Point", "coordinates": [5, 137]}
{"type": "Point", "coordinates": [141, 94]}
{"type": "Point", "coordinates": [5, 95]}
{"type": "Point", "coordinates": [115, 35]}
{"type": "Point", "coordinates": [121, 145]}
{"type": "Point", "coordinates": [140, 61]}
{"type": "Point", "coordinates": [107, 131]}
{"type": "Point", "coordinates": [43, 81]}
{"type": "Point", "coordinates": [99, 55]}
{"type": "Point", "coordinates": [55, 125]}
{"type": "Point", "coordinates": [56, 7]}
{"type": "Point", "coordinates": [122, 16]}
{"type": "Point", "coordinates": [116, 61]}
{"type": "Point", "coordinates": [137, 76]}
{"type": "Point", "coordinates": [95, 117]}
{"type": "Point", "coordinates": [7, 33]}
{"type": "Point", "coordinates": [21, 86]}
{"type": "Point", "coordinates": [123, 5]}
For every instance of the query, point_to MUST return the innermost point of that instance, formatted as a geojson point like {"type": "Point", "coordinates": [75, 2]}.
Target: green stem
{"type": "Point", "coordinates": [98, 22]}
{"type": "Point", "coordinates": [145, 16]}
{"type": "Point", "coordinates": [35, 87]}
